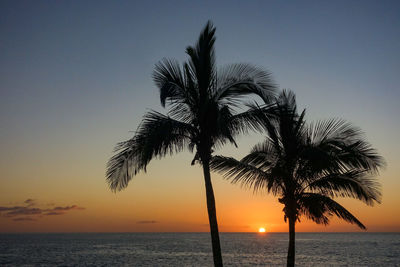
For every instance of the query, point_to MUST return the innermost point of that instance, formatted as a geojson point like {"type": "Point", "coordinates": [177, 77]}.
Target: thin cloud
{"type": "Point", "coordinates": [9, 208]}
{"type": "Point", "coordinates": [73, 207]}
{"type": "Point", "coordinates": [24, 219]}
{"type": "Point", "coordinates": [32, 213]}
{"type": "Point", "coordinates": [146, 222]}
{"type": "Point", "coordinates": [16, 211]}
{"type": "Point", "coordinates": [54, 213]}
{"type": "Point", "coordinates": [30, 202]}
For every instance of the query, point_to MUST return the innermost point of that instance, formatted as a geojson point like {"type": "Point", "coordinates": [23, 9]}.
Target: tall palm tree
{"type": "Point", "coordinates": [306, 166]}
{"type": "Point", "coordinates": [202, 116]}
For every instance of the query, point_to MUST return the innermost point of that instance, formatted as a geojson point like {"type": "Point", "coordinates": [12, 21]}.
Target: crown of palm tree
{"type": "Point", "coordinates": [201, 104]}
{"type": "Point", "coordinates": [307, 165]}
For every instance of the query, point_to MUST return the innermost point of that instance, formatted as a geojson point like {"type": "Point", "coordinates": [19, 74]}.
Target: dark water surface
{"type": "Point", "coordinates": [194, 249]}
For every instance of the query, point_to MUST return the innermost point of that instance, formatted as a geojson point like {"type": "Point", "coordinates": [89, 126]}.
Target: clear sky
{"type": "Point", "coordinates": [75, 79]}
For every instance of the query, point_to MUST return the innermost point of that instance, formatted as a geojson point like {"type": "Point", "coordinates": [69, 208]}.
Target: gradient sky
{"type": "Point", "coordinates": [75, 79]}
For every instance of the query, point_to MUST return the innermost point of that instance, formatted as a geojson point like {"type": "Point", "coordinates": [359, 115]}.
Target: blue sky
{"type": "Point", "coordinates": [76, 58]}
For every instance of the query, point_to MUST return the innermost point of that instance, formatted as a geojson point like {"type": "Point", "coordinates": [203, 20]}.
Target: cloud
{"type": "Point", "coordinates": [23, 219]}
{"type": "Point", "coordinates": [8, 208]}
{"type": "Point", "coordinates": [23, 211]}
{"type": "Point", "coordinates": [30, 202]}
{"type": "Point", "coordinates": [146, 222]}
{"type": "Point", "coordinates": [54, 213]}
{"type": "Point", "coordinates": [73, 207]}
{"type": "Point", "coordinates": [33, 212]}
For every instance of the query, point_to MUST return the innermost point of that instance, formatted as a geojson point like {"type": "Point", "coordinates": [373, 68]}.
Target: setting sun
{"type": "Point", "coordinates": [261, 230]}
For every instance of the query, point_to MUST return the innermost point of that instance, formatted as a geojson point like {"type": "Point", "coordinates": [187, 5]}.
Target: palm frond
{"type": "Point", "coordinates": [319, 208]}
{"type": "Point", "coordinates": [182, 112]}
{"type": "Point", "coordinates": [333, 155]}
{"type": "Point", "coordinates": [202, 59]}
{"type": "Point", "coordinates": [244, 122]}
{"type": "Point", "coordinates": [354, 184]}
{"type": "Point", "coordinates": [119, 167]}
{"type": "Point", "coordinates": [230, 124]}
{"type": "Point", "coordinates": [270, 121]}
{"type": "Point", "coordinates": [160, 135]}
{"type": "Point", "coordinates": [333, 129]}
{"type": "Point", "coordinates": [170, 80]}
{"type": "Point", "coordinates": [316, 159]}
{"type": "Point", "coordinates": [263, 156]}
{"type": "Point", "coordinates": [236, 80]}
{"type": "Point", "coordinates": [289, 123]}
{"type": "Point", "coordinates": [359, 155]}
{"type": "Point", "coordinates": [157, 136]}
{"type": "Point", "coordinates": [335, 145]}
{"type": "Point", "coordinates": [247, 175]}
{"type": "Point", "coordinates": [286, 101]}
{"type": "Point", "coordinates": [226, 129]}
{"type": "Point", "coordinates": [300, 126]}
{"type": "Point", "coordinates": [191, 85]}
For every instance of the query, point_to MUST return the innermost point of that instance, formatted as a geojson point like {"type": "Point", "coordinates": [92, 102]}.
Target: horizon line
{"type": "Point", "coordinates": [255, 232]}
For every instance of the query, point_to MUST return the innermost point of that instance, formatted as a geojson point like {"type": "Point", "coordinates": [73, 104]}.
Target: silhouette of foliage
{"type": "Point", "coordinates": [202, 104]}
{"type": "Point", "coordinates": [306, 165]}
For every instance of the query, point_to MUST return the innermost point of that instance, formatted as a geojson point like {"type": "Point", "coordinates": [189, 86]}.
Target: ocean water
{"type": "Point", "coordinates": [194, 249]}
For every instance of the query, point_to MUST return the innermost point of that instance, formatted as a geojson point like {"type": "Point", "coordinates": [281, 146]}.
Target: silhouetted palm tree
{"type": "Point", "coordinates": [307, 166]}
{"type": "Point", "coordinates": [201, 117]}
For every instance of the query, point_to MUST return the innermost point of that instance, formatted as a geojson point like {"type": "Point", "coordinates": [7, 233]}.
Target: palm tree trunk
{"type": "Point", "coordinates": [212, 216]}
{"type": "Point", "coordinates": [291, 251]}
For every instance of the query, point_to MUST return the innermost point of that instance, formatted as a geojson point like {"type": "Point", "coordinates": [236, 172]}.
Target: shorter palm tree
{"type": "Point", "coordinates": [306, 166]}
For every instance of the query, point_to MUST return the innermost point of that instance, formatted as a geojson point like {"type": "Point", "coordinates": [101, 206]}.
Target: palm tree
{"type": "Point", "coordinates": [202, 117]}
{"type": "Point", "coordinates": [306, 166]}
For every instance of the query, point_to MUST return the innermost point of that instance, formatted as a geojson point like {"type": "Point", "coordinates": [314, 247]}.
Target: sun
{"type": "Point", "coordinates": [261, 230]}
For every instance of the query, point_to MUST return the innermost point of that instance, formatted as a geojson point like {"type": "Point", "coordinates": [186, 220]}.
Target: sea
{"type": "Point", "coordinates": [194, 249]}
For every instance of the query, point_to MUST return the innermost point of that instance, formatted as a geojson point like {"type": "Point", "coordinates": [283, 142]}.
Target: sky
{"type": "Point", "coordinates": [75, 79]}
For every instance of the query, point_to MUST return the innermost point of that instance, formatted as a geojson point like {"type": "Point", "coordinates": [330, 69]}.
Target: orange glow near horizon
{"type": "Point", "coordinates": [170, 197]}
{"type": "Point", "coordinates": [156, 202]}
